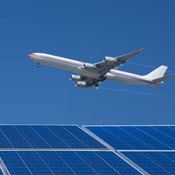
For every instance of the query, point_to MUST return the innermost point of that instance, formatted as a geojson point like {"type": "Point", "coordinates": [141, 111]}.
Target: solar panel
{"type": "Point", "coordinates": [65, 162]}
{"type": "Point", "coordinates": [154, 162]}
{"type": "Point", "coordinates": [60, 149]}
{"type": "Point", "coordinates": [52, 136]}
{"type": "Point", "coordinates": [1, 173]}
{"type": "Point", "coordinates": [136, 137]}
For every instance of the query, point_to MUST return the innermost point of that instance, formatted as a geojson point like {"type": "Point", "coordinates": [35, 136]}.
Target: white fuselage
{"type": "Point", "coordinates": [77, 66]}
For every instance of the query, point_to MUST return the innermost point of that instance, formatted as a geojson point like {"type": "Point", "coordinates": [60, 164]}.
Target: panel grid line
{"type": "Point", "coordinates": [117, 137]}
{"type": "Point", "coordinates": [66, 163]}
{"type": "Point", "coordinates": [91, 134]}
{"type": "Point", "coordinates": [130, 162]}
{"type": "Point", "coordinates": [163, 133]}
{"type": "Point", "coordinates": [18, 154]}
{"type": "Point", "coordinates": [159, 139]}
{"type": "Point", "coordinates": [107, 163]}
{"type": "Point", "coordinates": [135, 138]}
{"type": "Point", "coordinates": [44, 163]}
{"type": "Point", "coordinates": [35, 151]}
{"type": "Point", "coordinates": [76, 137]}
{"type": "Point", "coordinates": [86, 163]}
{"type": "Point", "coordinates": [127, 160]}
{"type": "Point", "coordinates": [57, 136]}
{"type": "Point", "coordinates": [154, 138]}
{"type": "Point", "coordinates": [41, 137]}
{"type": "Point", "coordinates": [171, 128]}
{"type": "Point", "coordinates": [155, 163]}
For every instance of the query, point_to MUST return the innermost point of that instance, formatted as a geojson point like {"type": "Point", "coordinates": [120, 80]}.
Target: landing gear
{"type": "Point", "coordinates": [38, 65]}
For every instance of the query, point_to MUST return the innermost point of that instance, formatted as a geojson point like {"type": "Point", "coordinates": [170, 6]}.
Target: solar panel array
{"type": "Point", "coordinates": [56, 150]}
{"type": "Point", "coordinates": [69, 149]}
{"type": "Point", "coordinates": [151, 148]}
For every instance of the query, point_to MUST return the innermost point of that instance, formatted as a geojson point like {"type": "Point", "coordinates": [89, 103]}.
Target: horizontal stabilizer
{"type": "Point", "coordinates": [157, 81]}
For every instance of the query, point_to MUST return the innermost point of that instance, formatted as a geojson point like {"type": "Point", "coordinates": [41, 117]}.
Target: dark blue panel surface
{"type": "Point", "coordinates": [163, 138]}
{"type": "Point", "coordinates": [1, 173]}
{"type": "Point", "coordinates": [154, 162]}
{"type": "Point", "coordinates": [14, 163]}
{"type": "Point", "coordinates": [168, 130]}
{"type": "Point", "coordinates": [112, 140]}
{"type": "Point", "coordinates": [68, 138]}
{"type": "Point", "coordinates": [147, 140]}
{"type": "Point", "coordinates": [50, 137]}
{"type": "Point", "coordinates": [32, 137]}
{"type": "Point", "coordinates": [4, 143]}
{"type": "Point", "coordinates": [35, 163]}
{"type": "Point", "coordinates": [77, 139]}
{"type": "Point", "coordinates": [84, 137]}
{"type": "Point", "coordinates": [42, 136]}
{"type": "Point", "coordinates": [15, 137]}
{"type": "Point", "coordinates": [65, 162]}
{"type": "Point", "coordinates": [102, 161]}
{"type": "Point", "coordinates": [136, 137]}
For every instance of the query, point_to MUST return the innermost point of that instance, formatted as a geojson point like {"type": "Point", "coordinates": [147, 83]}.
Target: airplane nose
{"type": "Point", "coordinates": [31, 55]}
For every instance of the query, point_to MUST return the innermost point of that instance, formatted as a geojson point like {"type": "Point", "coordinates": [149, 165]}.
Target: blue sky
{"type": "Point", "coordinates": [86, 31]}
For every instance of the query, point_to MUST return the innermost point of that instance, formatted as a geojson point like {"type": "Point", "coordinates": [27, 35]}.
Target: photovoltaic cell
{"type": "Point", "coordinates": [154, 162]}
{"type": "Point", "coordinates": [42, 136]}
{"type": "Point", "coordinates": [136, 137]}
{"type": "Point", "coordinates": [65, 162]}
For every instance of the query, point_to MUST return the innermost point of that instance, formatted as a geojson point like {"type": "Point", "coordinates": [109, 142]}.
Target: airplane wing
{"type": "Point", "coordinates": [113, 62]}
{"type": "Point", "coordinates": [102, 68]}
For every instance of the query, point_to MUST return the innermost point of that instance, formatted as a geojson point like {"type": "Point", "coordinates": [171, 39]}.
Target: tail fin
{"type": "Point", "coordinates": [157, 73]}
{"type": "Point", "coordinates": [157, 81]}
{"type": "Point", "coordinates": [157, 76]}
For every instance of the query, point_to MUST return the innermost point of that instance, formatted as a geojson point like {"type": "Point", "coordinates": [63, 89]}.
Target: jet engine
{"type": "Point", "coordinates": [110, 59]}
{"type": "Point", "coordinates": [75, 78]}
{"type": "Point", "coordinates": [89, 66]}
{"type": "Point", "coordinates": [81, 84]}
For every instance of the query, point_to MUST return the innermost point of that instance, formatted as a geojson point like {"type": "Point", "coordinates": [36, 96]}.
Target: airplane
{"type": "Point", "coordinates": [91, 75]}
